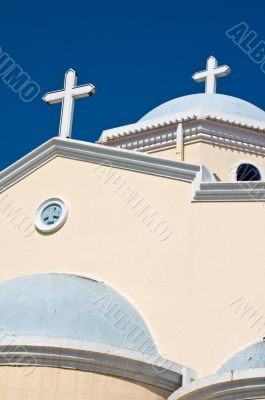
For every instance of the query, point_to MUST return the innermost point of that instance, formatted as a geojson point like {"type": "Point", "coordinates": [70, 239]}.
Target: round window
{"type": "Point", "coordinates": [51, 215]}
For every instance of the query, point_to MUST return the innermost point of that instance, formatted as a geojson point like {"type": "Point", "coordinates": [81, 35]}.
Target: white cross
{"type": "Point", "coordinates": [67, 96]}
{"type": "Point", "coordinates": [211, 74]}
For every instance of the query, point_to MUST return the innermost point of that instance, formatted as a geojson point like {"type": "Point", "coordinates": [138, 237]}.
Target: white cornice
{"type": "Point", "coordinates": [93, 357]}
{"type": "Point", "coordinates": [242, 384]}
{"type": "Point", "coordinates": [210, 131]}
{"type": "Point", "coordinates": [204, 187]}
{"type": "Point", "coordinates": [191, 115]}
{"type": "Point", "coordinates": [232, 191]}
{"type": "Point", "coordinates": [95, 153]}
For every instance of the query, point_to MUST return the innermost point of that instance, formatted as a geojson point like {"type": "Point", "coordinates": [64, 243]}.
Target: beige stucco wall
{"type": "Point", "coordinates": [220, 160]}
{"type": "Point", "coordinates": [55, 383]}
{"type": "Point", "coordinates": [182, 285]}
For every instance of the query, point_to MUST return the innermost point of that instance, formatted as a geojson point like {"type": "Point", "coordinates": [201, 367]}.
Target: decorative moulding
{"type": "Point", "coordinates": [191, 115]}
{"type": "Point", "coordinates": [206, 130]}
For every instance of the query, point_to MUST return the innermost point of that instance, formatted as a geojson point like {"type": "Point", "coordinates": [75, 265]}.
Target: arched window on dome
{"type": "Point", "coordinates": [247, 172]}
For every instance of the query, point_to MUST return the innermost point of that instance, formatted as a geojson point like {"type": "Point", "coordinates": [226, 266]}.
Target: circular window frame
{"type": "Point", "coordinates": [40, 226]}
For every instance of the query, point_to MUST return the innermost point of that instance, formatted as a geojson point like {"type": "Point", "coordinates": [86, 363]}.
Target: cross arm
{"type": "Point", "coordinates": [199, 76]}
{"type": "Point", "coordinates": [54, 97]}
{"type": "Point", "coordinates": [224, 70]}
{"type": "Point", "coordinates": [83, 91]}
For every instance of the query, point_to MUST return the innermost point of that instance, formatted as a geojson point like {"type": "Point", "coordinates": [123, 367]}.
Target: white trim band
{"type": "Point", "coordinates": [241, 384]}
{"type": "Point", "coordinates": [191, 115]}
{"type": "Point", "coordinates": [204, 187]}
{"type": "Point", "coordinates": [93, 357]}
{"type": "Point", "coordinates": [95, 153]}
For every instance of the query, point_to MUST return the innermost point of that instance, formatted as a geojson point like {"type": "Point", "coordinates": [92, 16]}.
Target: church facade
{"type": "Point", "coordinates": [132, 267]}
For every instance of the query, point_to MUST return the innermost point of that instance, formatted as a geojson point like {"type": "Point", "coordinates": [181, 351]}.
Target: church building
{"type": "Point", "coordinates": [132, 267]}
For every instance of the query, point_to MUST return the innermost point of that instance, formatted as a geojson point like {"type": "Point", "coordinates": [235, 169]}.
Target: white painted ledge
{"type": "Point", "coordinates": [242, 384]}
{"type": "Point", "coordinates": [211, 131]}
{"type": "Point", "coordinates": [95, 153]}
{"type": "Point", "coordinates": [191, 115]}
{"type": "Point", "coordinates": [93, 357]}
{"type": "Point", "coordinates": [204, 187]}
{"type": "Point", "coordinates": [229, 192]}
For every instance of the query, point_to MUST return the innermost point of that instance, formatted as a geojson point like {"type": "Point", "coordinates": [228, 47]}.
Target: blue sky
{"type": "Point", "coordinates": [138, 54]}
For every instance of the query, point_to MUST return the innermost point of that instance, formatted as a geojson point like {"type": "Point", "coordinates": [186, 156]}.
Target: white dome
{"type": "Point", "coordinates": [206, 103]}
{"type": "Point", "coordinates": [251, 357]}
{"type": "Point", "coordinates": [71, 307]}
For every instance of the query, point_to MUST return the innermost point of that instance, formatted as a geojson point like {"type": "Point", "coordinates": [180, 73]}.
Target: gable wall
{"type": "Point", "coordinates": [182, 285]}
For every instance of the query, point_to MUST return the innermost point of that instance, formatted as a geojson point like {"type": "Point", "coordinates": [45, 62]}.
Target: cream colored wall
{"type": "Point", "coordinates": [182, 286]}
{"type": "Point", "coordinates": [54, 383]}
{"type": "Point", "coordinates": [219, 160]}
{"type": "Point", "coordinates": [168, 152]}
